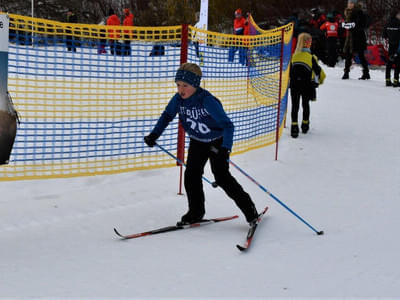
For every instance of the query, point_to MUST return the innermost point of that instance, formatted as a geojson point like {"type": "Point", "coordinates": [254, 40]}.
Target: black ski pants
{"type": "Point", "coordinates": [349, 61]}
{"type": "Point", "coordinates": [331, 45]}
{"type": "Point", "coordinates": [296, 94]}
{"type": "Point", "coordinates": [393, 60]}
{"type": "Point", "coordinates": [198, 155]}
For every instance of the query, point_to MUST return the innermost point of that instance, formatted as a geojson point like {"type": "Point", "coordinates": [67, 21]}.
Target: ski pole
{"type": "Point", "coordinates": [214, 184]}
{"type": "Point", "coordinates": [275, 198]}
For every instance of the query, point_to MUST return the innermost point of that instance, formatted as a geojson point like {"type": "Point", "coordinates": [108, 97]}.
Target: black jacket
{"type": "Point", "coordinates": [356, 40]}
{"type": "Point", "coordinates": [391, 31]}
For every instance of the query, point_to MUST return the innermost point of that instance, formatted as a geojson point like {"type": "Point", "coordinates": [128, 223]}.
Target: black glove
{"type": "Point", "coordinates": [150, 139]}
{"type": "Point", "coordinates": [314, 84]}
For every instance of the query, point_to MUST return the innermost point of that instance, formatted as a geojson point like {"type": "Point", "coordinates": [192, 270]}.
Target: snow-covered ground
{"type": "Point", "coordinates": [57, 240]}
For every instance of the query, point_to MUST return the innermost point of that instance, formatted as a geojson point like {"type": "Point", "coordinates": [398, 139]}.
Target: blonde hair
{"type": "Point", "coordinates": [301, 40]}
{"type": "Point", "coordinates": [191, 68]}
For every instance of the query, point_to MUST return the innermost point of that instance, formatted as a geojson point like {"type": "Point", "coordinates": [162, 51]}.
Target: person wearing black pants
{"type": "Point", "coordinates": [305, 76]}
{"type": "Point", "coordinates": [391, 32]}
{"type": "Point", "coordinates": [356, 39]}
{"type": "Point", "coordinates": [198, 155]}
{"type": "Point", "coordinates": [211, 137]}
{"type": "Point", "coordinates": [296, 94]}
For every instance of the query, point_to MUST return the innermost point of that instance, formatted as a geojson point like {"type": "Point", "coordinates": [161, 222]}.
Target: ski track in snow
{"type": "Point", "coordinates": [57, 240]}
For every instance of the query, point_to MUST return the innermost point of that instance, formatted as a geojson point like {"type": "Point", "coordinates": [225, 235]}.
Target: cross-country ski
{"type": "Point", "coordinates": [251, 232]}
{"type": "Point", "coordinates": [174, 227]}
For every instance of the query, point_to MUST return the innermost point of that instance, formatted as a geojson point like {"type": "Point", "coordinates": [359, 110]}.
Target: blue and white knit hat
{"type": "Point", "coordinates": [188, 77]}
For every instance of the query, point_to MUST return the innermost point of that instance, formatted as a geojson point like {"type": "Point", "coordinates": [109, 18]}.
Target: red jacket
{"type": "Point", "coordinates": [318, 22]}
{"type": "Point", "coordinates": [331, 29]}
{"type": "Point", "coordinates": [239, 26]}
{"type": "Point", "coordinates": [113, 20]}
{"type": "Point", "coordinates": [128, 21]}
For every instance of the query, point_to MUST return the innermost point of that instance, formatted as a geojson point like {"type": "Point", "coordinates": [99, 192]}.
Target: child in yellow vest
{"type": "Point", "coordinates": [305, 76]}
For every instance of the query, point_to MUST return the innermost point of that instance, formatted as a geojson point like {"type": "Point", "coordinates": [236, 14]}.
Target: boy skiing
{"type": "Point", "coordinates": [211, 137]}
{"type": "Point", "coordinates": [305, 76]}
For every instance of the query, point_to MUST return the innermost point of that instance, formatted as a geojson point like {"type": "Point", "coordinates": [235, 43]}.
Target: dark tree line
{"type": "Point", "coordinates": [267, 13]}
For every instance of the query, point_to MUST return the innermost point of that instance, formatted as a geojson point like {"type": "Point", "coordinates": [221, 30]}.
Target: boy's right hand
{"type": "Point", "coordinates": [150, 139]}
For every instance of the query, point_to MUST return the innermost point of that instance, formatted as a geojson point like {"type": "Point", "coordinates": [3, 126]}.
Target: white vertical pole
{"type": "Point", "coordinates": [203, 22]}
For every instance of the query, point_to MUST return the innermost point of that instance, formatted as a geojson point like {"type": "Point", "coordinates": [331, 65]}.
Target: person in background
{"type": "Point", "coordinates": [294, 18]}
{"type": "Point", "coordinates": [391, 32]}
{"type": "Point", "coordinates": [331, 31]}
{"type": "Point", "coordinates": [355, 23]}
{"type": "Point", "coordinates": [317, 18]}
{"type": "Point", "coordinates": [305, 76]}
{"type": "Point", "coordinates": [113, 20]}
{"type": "Point", "coordinates": [71, 43]}
{"type": "Point", "coordinates": [341, 32]}
{"type": "Point", "coordinates": [211, 137]}
{"type": "Point", "coordinates": [319, 40]}
{"type": "Point", "coordinates": [196, 37]}
{"type": "Point", "coordinates": [102, 43]}
{"type": "Point", "coordinates": [240, 27]}
{"type": "Point", "coordinates": [128, 21]}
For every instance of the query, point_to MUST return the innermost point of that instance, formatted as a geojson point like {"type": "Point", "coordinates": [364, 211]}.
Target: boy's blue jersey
{"type": "Point", "coordinates": [202, 116]}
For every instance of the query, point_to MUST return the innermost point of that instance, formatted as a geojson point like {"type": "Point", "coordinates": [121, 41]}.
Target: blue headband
{"type": "Point", "coordinates": [188, 77]}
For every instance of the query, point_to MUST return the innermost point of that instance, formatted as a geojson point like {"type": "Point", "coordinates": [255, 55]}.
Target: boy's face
{"type": "Point", "coordinates": [185, 90]}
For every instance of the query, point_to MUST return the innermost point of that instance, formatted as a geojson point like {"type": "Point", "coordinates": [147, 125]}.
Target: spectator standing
{"type": "Point", "coordinates": [391, 32]}
{"type": "Point", "coordinates": [128, 21]}
{"type": "Point", "coordinates": [240, 27]}
{"type": "Point", "coordinates": [71, 44]}
{"type": "Point", "coordinates": [113, 20]}
{"type": "Point", "coordinates": [317, 18]}
{"type": "Point", "coordinates": [331, 31]}
{"type": "Point", "coordinates": [318, 38]}
{"type": "Point", "coordinates": [356, 39]}
{"type": "Point", "coordinates": [341, 32]}
{"type": "Point", "coordinates": [101, 48]}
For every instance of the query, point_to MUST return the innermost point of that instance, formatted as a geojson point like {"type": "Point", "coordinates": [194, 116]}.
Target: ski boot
{"type": "Point", "coordinates": [388, 82]}
{"type": "Point", "coordinates": [365, 75]}
{"type": "Point", "coordinates": [305, 126]}
{"type": "Point", "coordinates": [294, 131]}
{"type": "Point", "coordinates": [395, 83]}
{"type": "Point", "coordinates": [253, 217]}
{"type": "Point", "coordinates": [190, 218]}
{"type": "Point", "coordinates": [345, 75]}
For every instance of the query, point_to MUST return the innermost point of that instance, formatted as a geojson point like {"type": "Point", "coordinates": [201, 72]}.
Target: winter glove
{"type": "Point", "coordinates": [393, 57]}
{"type": "Point", "coordinates": [150, 139]}
{"type": "Point", "coordinates": [348, 25]}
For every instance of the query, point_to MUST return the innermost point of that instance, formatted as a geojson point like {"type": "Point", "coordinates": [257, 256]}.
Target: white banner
{"type": "Point", "coordinates": [203, 22]}
{"type": "Point", "coordinates": [3, 33]}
